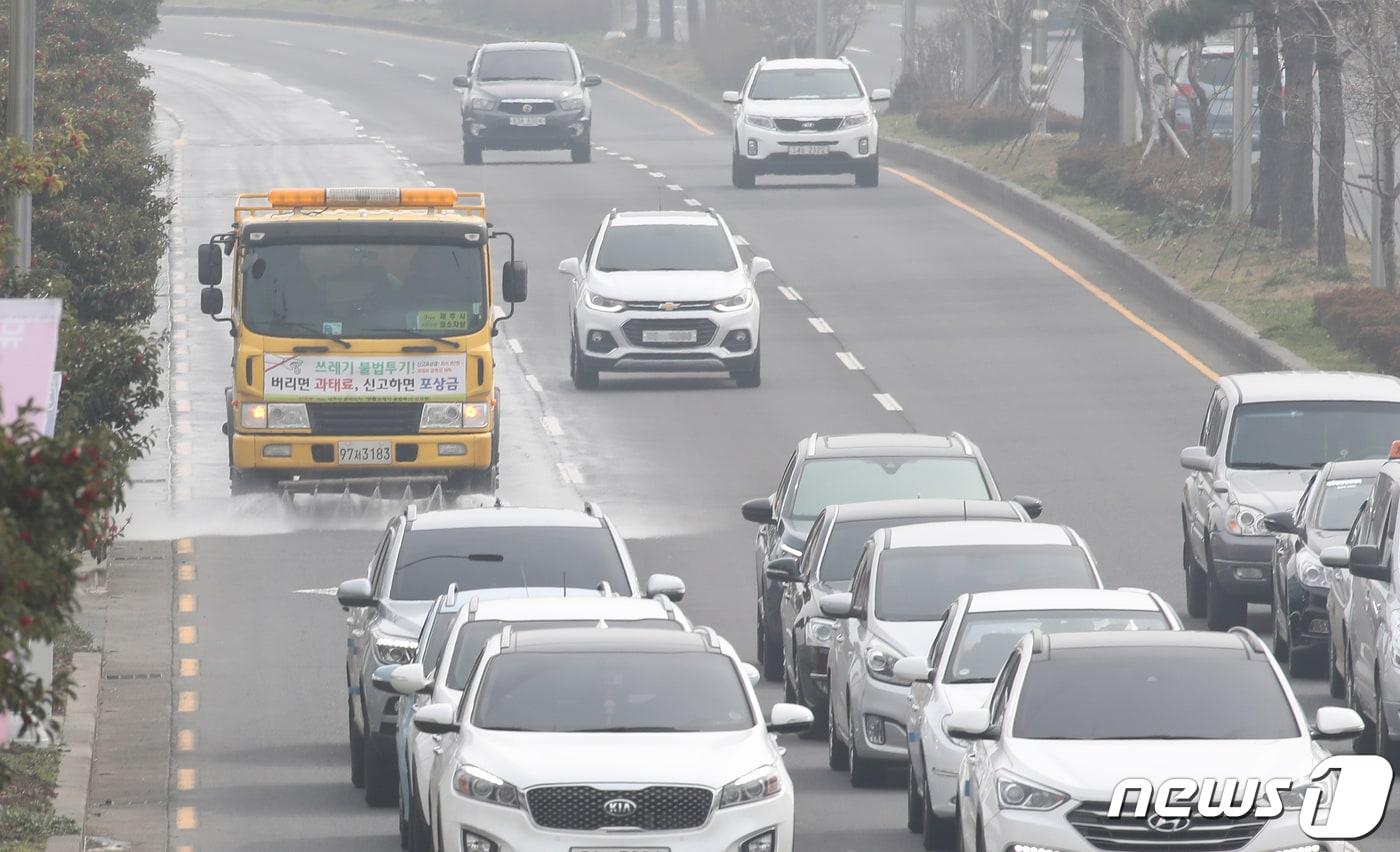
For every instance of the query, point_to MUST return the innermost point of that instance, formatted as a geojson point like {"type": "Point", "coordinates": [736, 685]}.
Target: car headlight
{"type": "Point", "coordinates": [1018, 794]}
{"type": "Point", "coordinates": [476, 783]}
{"type": "Point", "coordinates": [455, 415]}
{"type": "Point", "coordinates": [1244, 520]}
{"type": "Point", "coordinates": [276, 415]}
{"type": "Point", "coordinates": [1311, 573]}
{"type": "Point", "coordinates": [820, 631]}
{"type": "Point", "coordinates": [1292, 798]}
{"type": "Point", "coordinates": [880, 660]}
{"type": "Point", "coordinates": [737, 302]}
{"type": "Point", "coordinates": [571, 104]}
{"type": "Point", "coordinates": [762, 783]}
{"type": "Point", "coordinates": [484, 103]}
{"type": "Point", "coordinates": [856, 120]}
{"type": "Point", "coordinates": [394, 650]}
{"type": "Point", "coordinates": [760, 121]}
{"type": "Point", "coordinates": [603, 303]}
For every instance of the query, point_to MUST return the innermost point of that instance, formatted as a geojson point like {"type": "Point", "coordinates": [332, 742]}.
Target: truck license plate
{"type": "Point", "coordinates": [808, 150]}
{"type": "Point", "coordinates": [527, 120]}
{"type": "Point", "coordinates": [668, 335]}
{"type": "Point", "coordinates": [365, 452]}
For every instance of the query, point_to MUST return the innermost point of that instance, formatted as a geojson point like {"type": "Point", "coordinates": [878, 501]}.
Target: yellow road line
{"type": "Point", "coordinates": [659, 105]}
{"type": "Point", "coordinates": [188, 635]}
{"type": "Point", "coordinates": [186, 779]}
{"type": "Point", "coordinates": [185, 546]}
{"type": "Point", "coordinates": [186, 573]}
{"type": "Point", "coordinates": [189, 667]}
{"type": "Point", "coordinates": [184, 849]}
{"type": "Point", "coordinates": [188, 603]}
{"type": "Point", "coordinates": [1064, 268]}
{"type": "Point", "coordinates": [186, 818]}
{"type": "Point", "coordinates": [188, 702]}
{"type": "Point", "coordinates": [185, 740]}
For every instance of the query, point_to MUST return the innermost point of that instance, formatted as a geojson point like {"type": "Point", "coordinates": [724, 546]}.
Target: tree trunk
{"type": "Point", "coordinates": [1331, 153]}
{"type": "Point", "coordinates": [1296, 31]}
{"type": "Point", "coordinates": [1266, 198]}
{"type": "Point", "coordinates": [1385, 151]}
{"type": "Point", "coordinates": [692, 20]}
{"type": "Point", "coordinates": [667, 8]}
{"type": "Point", "coordinates": [1103, 80]}
{"type": "Point", "coordinates": [643, 21]}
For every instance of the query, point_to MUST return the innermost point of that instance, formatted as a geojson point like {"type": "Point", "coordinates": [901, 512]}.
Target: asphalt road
{"type": "Point", "coordinates": [954, 320]}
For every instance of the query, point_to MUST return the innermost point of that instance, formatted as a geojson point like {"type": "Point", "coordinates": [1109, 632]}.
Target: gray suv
{"type": "Point", "coordinates": [1263, 437]}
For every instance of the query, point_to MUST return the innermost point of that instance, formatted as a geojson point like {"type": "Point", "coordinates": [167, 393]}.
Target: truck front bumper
{"type": "Point", "coordinates": [317, 455]}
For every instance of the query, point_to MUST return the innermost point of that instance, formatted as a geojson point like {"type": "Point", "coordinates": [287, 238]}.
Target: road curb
{"type": "Point", "coordinates": [79, 730]}
{"type": "Point", "coordinates": [1132, 272]}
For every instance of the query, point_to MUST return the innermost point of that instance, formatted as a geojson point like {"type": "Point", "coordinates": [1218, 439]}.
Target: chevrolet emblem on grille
{"type": "Point", "coordinates": [668, 306]}
{"type": "Point", "coordinates": [619, 807]}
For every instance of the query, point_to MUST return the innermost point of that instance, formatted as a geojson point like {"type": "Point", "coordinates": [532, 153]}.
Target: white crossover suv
{"type": "Point", "coordinates": [980, 632]}
{"type": "Point", "coordinates": [806, 117]}
{"type": "Point", "coordinates": [610, 738]}
{"type": "Point", "coordinates": [659, 289]}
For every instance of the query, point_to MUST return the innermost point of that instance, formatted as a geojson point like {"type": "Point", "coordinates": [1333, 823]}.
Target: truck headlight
{"type": "Point", "coordinates": [275, 415]}
{"type": "Point", "coordinates": [484, 103]}
{"type": "Point", "coordinates": [455, 415]}
{"type": "Point", "coordinates": [571, 104]}
{"type": "Point", "coordinates": [820, 631]}
{"type": "Point", "coordinates": [1017, 794]}
{"type": "Point", "coordinates": [1244, 520]}
{"type": "Point", "coordinates": [737, 302]}
{"type": "Point", "coordinates": [760, 121]}
{"type": "Point", "coordinates": [476, 783]}
{"type": "Point", "coordinates": [762, 783]}
{"type": "Point", "coordinates": [856, 120]}
{"type": "Point", "coordinates": [394, 650]}
{"type": "Point", "coordinates": [603, 303]}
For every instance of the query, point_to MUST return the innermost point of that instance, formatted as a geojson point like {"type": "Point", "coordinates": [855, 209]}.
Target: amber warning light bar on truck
{"type": "Point", "coordinates": [291, 198]}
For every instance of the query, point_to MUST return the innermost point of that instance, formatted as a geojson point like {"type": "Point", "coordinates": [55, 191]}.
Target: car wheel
{"type": "Point", "coordinates": [837, 755]}
{"type": "Point", "coordinates": [1365, 742]}
{"type": "Point", "coordinates": [1281, 640]}
{"type": "Point", "coordinates": [584, 376]}
{"type": "Point", "coordinates": [772, 639]}
{"type": "Point", "coordinates": [1336, 683]}
{"type": "Point", "coordinates": [1195, 582]}
{"type": "Point", "coordinates": [1386, 747]}
{"type": "Point", "coordinates": [420, 837]}
{"type": "Point", "coordinates": [939, 833]}
{"type": "Point", "coordinates": [862, 771]}
{"type": "Point", "coordinates": [357, 750]}
{"type": "Point", "coordinates": [955, 843]}
{"type": "Point", "coordinates": [741, 173]}
{"type": "Point", "coordinates": [1303, 662]}
{"type": "Point", "coordinates": [403, 818]}
{"type": "Point", "coordinates": [471, 154]}
{"type": "Point", "coordinates": [381, 776]}
{"type": "Point", "coordinates": [582, 152]}
{"type": "Point", "coordinates": [868, 172]}
{"type": "Point", "coordinates": [789, 691]}
{"type": "Point", "coordinates": [1223, 610]}
{"type": "Point", "coordinates": [914, 819]}
{"type": "Point", "coordinates": [751, 375]}
{"type": "Point", "coordinates": [981, 836]}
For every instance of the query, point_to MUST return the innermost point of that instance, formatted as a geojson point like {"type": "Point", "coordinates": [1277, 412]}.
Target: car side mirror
{"type": "Point", "coordinates": [731, 97]}
{"type": "Point", "coordinates": [665, 585]}
{"type": "Point", "coordinates": [1032, 505]}
{"type": "Point", "coordinates": [1281, 522]}
{"type": "Point", "coordinates": [1197, 459]}
{"type": "Point", "coordinates": [911, 670]}
{"type": "Point", "coordinates": [758, 266]}
{"type": "Point", "coordinates": [758, 510]}
{"type": "Point", "coordinates": [355, 594]}
{"type": "Point", "coordinates": [409, 679]}
{"type": "Point", "coordinates": [970, 725]}
{"type": "Point", "coordinates": [515, 285]}
{"type": "Point", "coordinates": [462, 81]}
{"type": "Point", "coordinates": [1336, 556]}
{"type": "Point", "coordinates": [435, 719]}
{"type": "Point", "coordinates": [751, 673]}
{"type": "Point", "coordinates": [211, 264]}
{"type": "Point", "coordinates": [1364, 560]}
{"type": "Point", "coordinates": [1336, 723]}
{"type": "Point", "coordinates": [211, 300]}
{"type": "Point", "coordinates": [789, 719]}
{"type": "Point", "coordinates": [591, 80]}
{"type": "Point", "coordinates": [380, 678]}
{"type": "Point", "coordinates": [570, 266]}
{"type": "Point", "coordinates": [879, 96]}
{"type": "Point", "coordinates": [783, 570]}
{"type": "Point", "coordinates": [838, 606]}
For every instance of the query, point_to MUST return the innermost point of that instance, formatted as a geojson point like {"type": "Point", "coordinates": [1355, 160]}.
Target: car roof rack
{"type": "Point", "coordinates": [591, 509]}
{"type": "Point", "coordinates": [1251, 639]}
{"type": "Point", "coordinates": [472, 607]}
{"type": "Point", "coordinates": [410, 512]}
{"type": "Point", "coordinates": [606, 590]}
{"type": "Point", "coordinates": [450, 599]}
{"type": "Point", "coordinates": [812, 445]}
{"type": "Point", "coordinates": [711, 637]}
{"type": "Point", "coordinates": [962, 439]}
{"type": "Point", "coordinates": [507, 637]}
{"type": "Point", "coordinates": [1039, 639]}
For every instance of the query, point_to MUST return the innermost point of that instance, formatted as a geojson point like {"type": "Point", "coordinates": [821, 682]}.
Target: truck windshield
{"type": "Point", "coordinates": [349, 290]}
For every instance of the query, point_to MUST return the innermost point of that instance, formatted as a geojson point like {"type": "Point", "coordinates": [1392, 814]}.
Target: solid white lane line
{"type": "Point", "coordinates": [429, 77]}
{"type": "Point", "coordinates": [167, 52]}
{"type": "Point", "coordinates": [283, 43]}
{"type": "Point", "coordinates": [386, 63]}
{"type": "Point", "coordinates": [857, 50]}
{"type": "Point", "coordinates": [294, 90]}
{"type": "Point", "coordinates": [514, 345]}
{"type": "Point", "coordinates": [738, 240]}
{"type": "Point", "coordinates": [533, 382]}
{"type": "Point", "coordinates": [219, 35]}
{"type": "Point", "coordinates": [790, 294]}
{"type": "Point", "coordinates": [674, 187]}
{"type": "Point", "coordinates": [850, 361]}
{"type": "Point", "coordinates": [889, 402]}
{"type": "Point", "coordinates": [323, 101]}
{"type": "Point", "coordinates": [820, 325]}
{"type": "Point", "coordinates": [570, 473]}
{"type": "Point", "coordinates": [551, 426]}
{"type": "Point", "coordinates": [220, 63]}
{"type": "Point", "coordinates": [692, 202]}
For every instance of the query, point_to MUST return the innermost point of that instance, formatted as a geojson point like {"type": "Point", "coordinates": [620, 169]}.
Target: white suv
{"type": "Point", "coordinates": [611, 738]}
{"type": "Point", "coordinates": [807, 117]}
{"type": "Point", "coordinates": [663, 289]}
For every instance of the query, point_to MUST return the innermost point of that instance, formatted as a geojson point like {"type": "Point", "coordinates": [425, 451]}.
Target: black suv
{"type": "Point", "coordinates": [526, 96]}
{"type": "Point", "coordinates": [828, 469]}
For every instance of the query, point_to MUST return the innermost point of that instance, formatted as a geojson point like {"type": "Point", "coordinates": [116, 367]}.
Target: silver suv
{"type": "Point", "coordinates": [1263, 438]}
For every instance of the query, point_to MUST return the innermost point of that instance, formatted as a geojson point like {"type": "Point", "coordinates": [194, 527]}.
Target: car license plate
{"type": "Point", "coordinates": [365, 452]}
{"type": "Point", "coordinates": [527, 120]}
{"type": "Point", "coordinates": [668, 335]}
{"type": "Point", "coordinates": [808, 150]}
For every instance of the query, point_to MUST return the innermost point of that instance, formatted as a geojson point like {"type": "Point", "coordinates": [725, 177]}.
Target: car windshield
{"type": "Point", "coordinates": [612, 692]}
{"type": "Point", "coordinates": [506, 557]}
{"type": "Point", "coordinates": [1153, 694]}
{"type": "Point", "coordinates": [1341, 501]}
{"type": "Point", "coordinates": [828, 481]}
{"type": "Point", "coordinates": [986, 639]}
{"type": "Point", "coordinates": [348, 290]}
{"type": "Point", "coordinates": [918, 583]}
{"type": "Point", "coordinates": [658, 247]}
{"type": "Point", "coordinates": [1291, 435]}
{"type": "Point", "coordinates": [782, 84]}
{"type": "Point", "coordinates": [473, 636]}
{"type": "Point", "coordinates": [847, 538]}
{"type": "Point", "coordinates": [496, 65]}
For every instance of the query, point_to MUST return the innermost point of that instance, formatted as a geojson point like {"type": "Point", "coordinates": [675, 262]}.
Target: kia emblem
{"type": "Point", "coordinates": [1168, 825]}
{"type": "Point", "coordinates": [807, 125]}
{"type": "Point", "coordinates": [618, 808]}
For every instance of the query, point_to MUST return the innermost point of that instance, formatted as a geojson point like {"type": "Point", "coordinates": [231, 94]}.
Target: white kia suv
{"type": "Point", "coordinates": [663, 289]}
{"type": "Point", "coordinates": [611, 738]}
{"type": "Point", "coordinates": [806, 116]}
{"type": "Point", "coordinates": [1074, 715]}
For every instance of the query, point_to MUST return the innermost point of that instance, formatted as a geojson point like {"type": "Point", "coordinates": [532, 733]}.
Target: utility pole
{"type": "Point", "coordinates": [820, 51]}
{"type": "Point", "coordinates": [908, 34]}
{"type": "Point", "coordinates": [1382, 173]}
{"type": "Point", "coordinates": [19, 123]}
{"type": "Point", "coordinates": [1242, 134]}
{"type": "Point", "coordinates": [1040, 67]}
{"type": "Point", "coordinates": [1128, 98]}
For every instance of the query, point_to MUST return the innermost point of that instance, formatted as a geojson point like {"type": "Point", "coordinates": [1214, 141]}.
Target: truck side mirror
{"type": "Point", "coordinates": [515, 276]}
{"type": "Point", "coordinates": [211, 300]}
{"type": "Point", "coordinates": [211, 265]}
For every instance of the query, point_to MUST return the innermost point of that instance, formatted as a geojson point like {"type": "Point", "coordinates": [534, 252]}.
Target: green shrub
{"type": "Point", "coordinates": [966, 123]}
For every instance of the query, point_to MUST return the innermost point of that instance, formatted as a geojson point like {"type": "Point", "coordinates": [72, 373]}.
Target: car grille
{"type": "Point", "coordinates": [811, 125]}
{"type": "Point", "coordinates": [364, 418]}
{"type": "Point", "coordinates": [673, 306]}
{"type": "Point", "coordinates": [704, 331]}
{"type": "Point", "coordinates": [519, 107]}
{"type": "Point", "coordinates": [1129, 834]}
{"type": "Point", "coordinates": [581, 808]}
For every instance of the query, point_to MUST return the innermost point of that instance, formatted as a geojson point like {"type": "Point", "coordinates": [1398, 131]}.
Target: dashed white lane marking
{"type": "Point", "coordinates": [625, 159]}
{"type": "Point", "coordinates": [820, 325]}
{"type": "Point", "coordinates": [533, 382]}
{"type": "Point", "coordinates": [599, 148]}
{"type": "Point", "coordinates": [514, 345]}
{"type": "Point", "coordinates": [570, 473]}
{"type": "Point", "coordinates": [386, 63]}
{"type": "Point", "coordinates": [323, 101]}
{"type": "Point", "coordinates": [897, 26]}
{"type": "Point", "coordinates": [790, 294]}
{"type": "Point", "coordinates": [283, 43]}
{"type": "Point", "coordinates": [738, 240]}
{"type": "Point", "coordinates": [167, 52]}
{"type": "Point", "coordinates": [614, 154]}
{"type": "Point", "coordinates": [220, 63]}
{"type": "Point", "coordinates": [692, 202]}
{"type": "Point", "coordinates": [642, 166]}
{"type": "Point", "coordinates": [429, 183]}
{"type": "Point", "coordinates": [857, 50]}
{"type": "Point", "coordinates": [294, 90]}
{"type": "Point", "coordinates": [889, 402]}
{"type": "Point", "coordinates": [1363, 141]}
{"type": "Point", "coordinates": [657, 174]}
{"type": "Point", "coordinates": [675, 187]}
{"type": "Point", "coordinates": [551, 426]}
{"type": "Point", "coordinates": [429, 77]}
{"type": "Point", "coordinates": [219, 35]}
{"type": "Point", "coordinates": [336, 52]}
{"type": "Point", "coordinates": [327, 592]}
{"type": "Point", "coordinates": [850, 361]}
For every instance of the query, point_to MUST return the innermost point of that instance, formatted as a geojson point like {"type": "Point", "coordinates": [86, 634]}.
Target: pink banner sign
{"type": "Point", "coordinates": [28, 349]}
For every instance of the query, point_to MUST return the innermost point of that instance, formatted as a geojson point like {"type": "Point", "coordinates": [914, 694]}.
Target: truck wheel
{"type": "Point", "coordinates": [242, 482]}
{"type": "Point", "coordinates": [471, 154]}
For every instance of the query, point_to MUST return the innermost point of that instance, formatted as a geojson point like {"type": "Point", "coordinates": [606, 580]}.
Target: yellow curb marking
{"type": "Point", "coordinates": [186, 779]}
{"type": "Point", "coordinates": [187, 573]}
{"type": "Point", "coordinates": [186, 818]}
{"type": "Point", "coordinates": [189, 702]}
{"type": "Point", "coordinates": [188, 603]}
{"type": "Point", "coordinates": [188, 635]}
{"type": "Point", "coordinates": [185, 740]}
{"type": "Point", "coordinates": [189, 667]}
